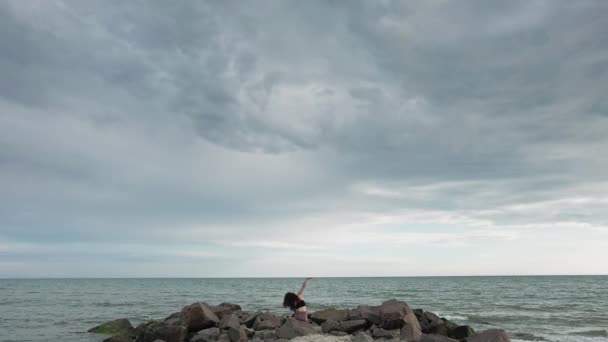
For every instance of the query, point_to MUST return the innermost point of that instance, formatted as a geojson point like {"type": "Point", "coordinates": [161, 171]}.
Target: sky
{"type": "Point", "coordinates": [303, 138]}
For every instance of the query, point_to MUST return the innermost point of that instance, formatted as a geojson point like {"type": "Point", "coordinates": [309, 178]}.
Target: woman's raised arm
{"type": "Point", "coordinates": [301, 292]}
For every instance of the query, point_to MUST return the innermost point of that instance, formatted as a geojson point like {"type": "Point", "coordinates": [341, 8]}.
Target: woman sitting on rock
{"type": "Point", "coordinates": [296, 303]}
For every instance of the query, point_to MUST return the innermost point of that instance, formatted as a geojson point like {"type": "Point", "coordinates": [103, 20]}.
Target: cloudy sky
{"type": "Point", "coordinates": [296, 138]}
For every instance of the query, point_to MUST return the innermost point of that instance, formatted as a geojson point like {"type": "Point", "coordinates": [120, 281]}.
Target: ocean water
{"type": "Point", "coordinates": [530, 308]}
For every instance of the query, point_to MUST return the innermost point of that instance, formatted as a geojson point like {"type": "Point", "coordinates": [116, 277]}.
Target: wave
{"type": "Point", "coordinates": [455, 317]}
{"type": "Point", "coordinates": [591, 333]}
{"type": "Point", "coordinates": [108, 304]}
{"type": "Point", "coordinates": [528, 337]}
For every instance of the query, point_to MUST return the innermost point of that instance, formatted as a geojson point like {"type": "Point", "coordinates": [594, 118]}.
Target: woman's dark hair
{"type": "Point", "coordinates": [290, 300]}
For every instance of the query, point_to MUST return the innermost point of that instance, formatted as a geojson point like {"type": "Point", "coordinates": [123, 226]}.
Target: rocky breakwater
{"type": "Point", "coordinates": [392, 320]}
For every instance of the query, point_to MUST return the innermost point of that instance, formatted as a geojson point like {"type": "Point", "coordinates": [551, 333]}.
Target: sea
{"type": "Point", "coordinates": [529, 308]}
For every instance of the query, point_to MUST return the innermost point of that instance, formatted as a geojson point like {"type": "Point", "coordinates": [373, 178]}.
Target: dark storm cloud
{"type": "Point", "coordinates": [204, 122]}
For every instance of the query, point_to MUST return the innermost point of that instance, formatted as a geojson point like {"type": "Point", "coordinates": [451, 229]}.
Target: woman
{"type": "Point", "coordinates": [296, 303]}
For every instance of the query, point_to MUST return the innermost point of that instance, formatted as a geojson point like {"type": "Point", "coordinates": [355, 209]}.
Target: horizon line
{"type": "Point", "coordinates": [323, 277]}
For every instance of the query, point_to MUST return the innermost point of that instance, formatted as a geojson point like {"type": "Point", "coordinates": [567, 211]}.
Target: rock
{"type": "Point", "coordinates": [293, 328]}
{"type": "Point", "coordinates": [323, 315]}
{"type": "Point", "coordinates": [491, 335]}
{"type": "Point", "coordinates": [450, 325]}
{"type": "Point", "coordinates": [230, 320]}
{"type": "Point", "coordinates": [370, 313]}
{"type": "Point", "coordinates": [122, 338]}
{"type": "Point", "coordinates": [223, 338]}
{"type": "Point", "coordinates": [424, 324]}
{"type": "Point", "coordinates": [461, 332]}
{"type": "Point", "coordinates": [431, 317]}
{"type": "Point", "coordinates": [338, 333]}
{"type": "Point", "coordinates": [282, 340]}
{"type": "Point", "coordinates": [237, 334]}
{"type": "Point", "coordinates": [330, 325]}
{"type": "Point", "coordinates": [249, 332]}
{"type": "Point", "coordinates": [437, 327]}
{"type": "Point", "coordinates": [174, 319]}
{"type": "Point", "coordinates": [117, 327]}
{"type": "Point", "coordinates": [266, 335]}
{"type": "Point", "coordinates": [353, 314]}
{"type": "Point", "coordinates": [206, 335]}
{"type": "Point", "coordinates": [224, 309]}
{"type": "Point", "coordinates": [266, 321]}
{"type": "Point", "coordinates": [248, 319]}
{"type": "Point", "coordinates": [436, 338]}
{"type": "Point", "coordinates": [381, 333]}
{"type": "Point", "coordinates": [418, 313]}
{"type": "Point", "coordinates": [352, 326]}
{"type": "Point", "coordinates": [151, 331]}
{"type": "Point", "coordinates": [398, 315]}
{"type": "Point", "coordinates": [361, 337]}
{"type": "Point", "coordinates": [234, 307]}
{"type": "Point", "coordinates": [198, 316]}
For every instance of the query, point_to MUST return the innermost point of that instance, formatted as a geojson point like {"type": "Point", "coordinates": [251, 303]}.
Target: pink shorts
{"type": "Point", "coordinates": [301, 315]}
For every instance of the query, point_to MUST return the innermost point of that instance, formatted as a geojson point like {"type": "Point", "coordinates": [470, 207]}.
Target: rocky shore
{"type": "Point", "coordinates": [226, 322]}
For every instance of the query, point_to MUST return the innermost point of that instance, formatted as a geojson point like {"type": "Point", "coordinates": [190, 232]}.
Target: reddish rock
{"type": "Point", "coordinates": [395, 314]}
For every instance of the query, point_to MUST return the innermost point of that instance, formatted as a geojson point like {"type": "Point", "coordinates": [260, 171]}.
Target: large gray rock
{"type": "Point", "coordinates": [121, 338]}
{"type": "Point", "coordinates": [450, 325]}
{"type": "Point", "coordinates": [117, 327]}
{"type": "Point", "coordinates": [330, 325]}
{"type": "Point", "coordinates": [174, 319]}
{"type": "Point", "coordinates": [248, 319]}
{"type": "Point", "coordinates": [249, 332]}
{"type": "Point", "coordinates": [151, 331]}
{"type": "Point", "coordinates": [491, 335]}
{"type": "Point", "coordinates": [225, 308]}
{"type": "Point", "coordinates": [234, 307]}
{"type": "Point", "coordinates": [352, 326]}
{"type": "Point", "coordinates": [266, 335]}
{"type": "Point", "coordinates": [426, 320]}
{"type": "Point", "coordinates": [206, 335]}
{"type": "Point", "coordinates": [381, 333]}
{"type": "Point", "coordinates": [266, 321]}
{"type": "Point", "coordinates": [369, 313]}
{"type": "Point", "coordinates": [431, 317]}
{"type": "Point", "coordinates": [398, 315]}
{"type": "Point", "coordinates": [361, 337]}
{"type": "Point", "coordinates": [198, 316]}
{"type": "Point", "coordinates": [293, 328]}
{"type": "Point", "coordinates": [461, 332]}
{"type": "Point", "coordinates": [333, 314]}
{"type": "Point", "coordinates": [338, 333]}
{"type": "Point", "coordinates": [238, 335]}
{"type": "Point", "coordinates": [230, 320]}
{"type": "Point", "coordinates": [437, 327]}
{"type": "Point", "coordinates": [436, 338]}
{"type": "Point", "coordinates": [353, 314]}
